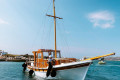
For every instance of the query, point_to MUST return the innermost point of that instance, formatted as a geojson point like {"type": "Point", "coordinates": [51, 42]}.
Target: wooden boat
{"type": "Point", "coordinates": [66, 68]}
{"type": "Point", "coordinates": [63, 68]}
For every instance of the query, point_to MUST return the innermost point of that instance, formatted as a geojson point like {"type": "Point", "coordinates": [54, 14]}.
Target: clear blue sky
{"type": "Point", "coordinates": [88, 28]}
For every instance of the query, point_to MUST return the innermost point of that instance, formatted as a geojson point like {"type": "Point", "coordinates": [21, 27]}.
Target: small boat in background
{"type": "Point", "coordinates": [101, 61]}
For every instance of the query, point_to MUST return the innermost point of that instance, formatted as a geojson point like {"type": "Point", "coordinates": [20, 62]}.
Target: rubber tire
{"type": "Point", "coordinates": [53, 73]}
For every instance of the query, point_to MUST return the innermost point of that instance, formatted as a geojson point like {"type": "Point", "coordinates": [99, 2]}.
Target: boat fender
{"type": "Point", "coordinates": [48, 73]}
{"type": "Point", "coordinates": [53, 73]}
{"type": "Point", "coordinates": [24, 65]}
{"type": "Point", "coordinates": [31, 72]}
{"type": "Point", "coordinates": [49, 69]}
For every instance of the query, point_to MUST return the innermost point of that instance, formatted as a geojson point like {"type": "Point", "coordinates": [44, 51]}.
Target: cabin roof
{"type": "Point", "coordinates": [46, 50]}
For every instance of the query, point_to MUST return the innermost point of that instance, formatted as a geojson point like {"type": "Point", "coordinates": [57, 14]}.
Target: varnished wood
{"type": "Point", "coordinates": [54, 28]}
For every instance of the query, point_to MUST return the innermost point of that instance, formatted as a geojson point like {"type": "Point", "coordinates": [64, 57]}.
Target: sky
{"type": "Point", "coordinates": [88, 27]}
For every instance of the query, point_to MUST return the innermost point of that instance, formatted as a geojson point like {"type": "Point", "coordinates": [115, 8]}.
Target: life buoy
{"type": "Point", "coordinates": [49, 69]}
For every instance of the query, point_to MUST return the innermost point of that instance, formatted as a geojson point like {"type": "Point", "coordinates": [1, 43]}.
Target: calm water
{"type": "Point", "coordinates": [109, 71]}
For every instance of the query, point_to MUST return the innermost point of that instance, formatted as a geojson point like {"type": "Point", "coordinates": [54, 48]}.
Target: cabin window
{"type": "Point", "coordinates": [53, 54]}
{"type": "Point", "coordinates": [58, 55]}
{"type": "Point", "coordinates": [45, 55]}
{"type": "Point", "coordinates": [39, 55]}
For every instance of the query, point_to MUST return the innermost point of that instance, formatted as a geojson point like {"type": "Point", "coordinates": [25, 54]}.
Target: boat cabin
{"type": "Point", "coordinates": [41, 58]}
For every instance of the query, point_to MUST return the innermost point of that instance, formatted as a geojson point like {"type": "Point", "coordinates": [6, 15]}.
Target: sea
{"type": "Point", "coordinates": [108, 71]}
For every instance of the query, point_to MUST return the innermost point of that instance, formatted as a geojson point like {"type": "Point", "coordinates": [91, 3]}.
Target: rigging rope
{"type": "Point", "coordinates": [63, 38]}
{"type": "Point", "coordinates": [42, 31]}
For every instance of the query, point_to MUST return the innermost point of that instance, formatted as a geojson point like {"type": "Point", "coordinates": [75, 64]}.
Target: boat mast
{"type": "Point", "coordinates": [54, 26]}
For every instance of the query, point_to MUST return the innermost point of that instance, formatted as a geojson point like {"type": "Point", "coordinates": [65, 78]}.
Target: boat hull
{"type": "Point", "coordinates": [74, 71]}
{"type": "Point", "coordinates": [74, 74]}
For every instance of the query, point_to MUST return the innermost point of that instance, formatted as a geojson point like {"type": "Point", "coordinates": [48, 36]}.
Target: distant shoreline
{"type": "Point", "coordinates": [23, 60]}
{"type": "Point", "coordinates": [15, 60]}
{"type": "Point", "coordinates": [112, 58]}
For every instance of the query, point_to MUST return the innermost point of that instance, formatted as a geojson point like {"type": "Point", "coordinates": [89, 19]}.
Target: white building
{"type": "Point", "coordinates": [3, 53]}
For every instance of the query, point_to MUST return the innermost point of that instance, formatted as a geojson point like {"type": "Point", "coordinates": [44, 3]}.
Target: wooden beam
{"type": "Point", "coordinates": [97, 57]}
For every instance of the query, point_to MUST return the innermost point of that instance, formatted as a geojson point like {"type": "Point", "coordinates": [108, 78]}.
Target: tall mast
{"type": "Point", "coordinates": [54, 26]}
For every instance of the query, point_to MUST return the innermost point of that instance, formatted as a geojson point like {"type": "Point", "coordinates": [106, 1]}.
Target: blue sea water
{"type": "Point", "coordinates": [109, 71]}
